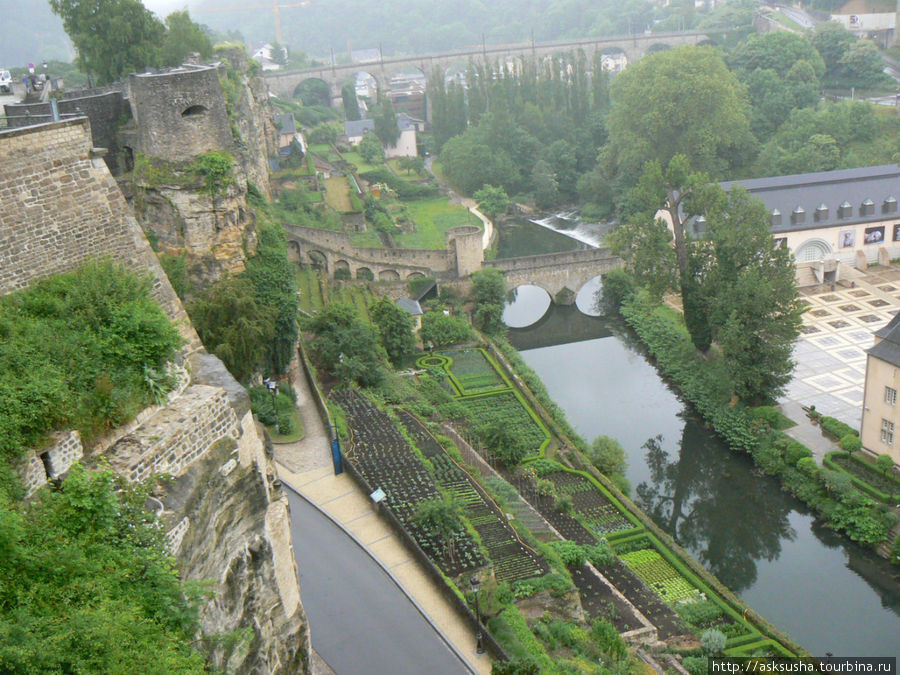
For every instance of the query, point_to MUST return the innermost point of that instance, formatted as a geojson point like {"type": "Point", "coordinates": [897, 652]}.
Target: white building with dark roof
{"type": "Point", "coordinates": [880, 426]}
{"type": "Point", "coordinates": [830, 218]}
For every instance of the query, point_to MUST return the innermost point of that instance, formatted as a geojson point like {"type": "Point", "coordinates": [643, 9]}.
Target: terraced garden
{"type": "Point", "coordinates": [512, 560]}
{"type": "Point", "coordinates": [386, 460]}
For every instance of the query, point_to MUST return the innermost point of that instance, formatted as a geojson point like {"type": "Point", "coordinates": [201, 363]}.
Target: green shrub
{"type": "Point", "coordinates": [851, 443]}
{"type": "Point", "coordinates": [837, 428]}
{"type": "Point", "coordinates": [443, 331]}
{"type": "Point", "coordinates": [696, 665]}
{"type": "Point", "coordinates": [794, 452]}
{"type": "Point", "coordinates": [600, 555]}
{"type": "Point", "coordinates": [618, 286]}
{"type": "Point", "coordinates": [405, 190]}
{"type": "Point", "coordinates": [713, 641]}
{"type": "Point", "coordinates": [92, 344]}
{"type": "Point", "coordinates": [700, 613]}
{"type": "Point", "coordinates": [569, 552]}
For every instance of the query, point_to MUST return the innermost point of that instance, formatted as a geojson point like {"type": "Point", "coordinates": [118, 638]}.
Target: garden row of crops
{"type": "Point", "coordinates": [661, 576]}
{"type": "Point", "coordinates": [310, 290]}
{"type": "Point", "coordinates": [386, 460]}
{"type": "Point", "coordinates": [511, 559]}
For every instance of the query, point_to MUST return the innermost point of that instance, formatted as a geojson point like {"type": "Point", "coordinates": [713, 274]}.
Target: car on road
{"type": "Point", "coordinates": [6, 81]}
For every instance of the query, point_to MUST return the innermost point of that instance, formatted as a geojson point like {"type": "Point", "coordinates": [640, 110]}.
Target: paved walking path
{"type": "Point", "coordinates": [306, 466]}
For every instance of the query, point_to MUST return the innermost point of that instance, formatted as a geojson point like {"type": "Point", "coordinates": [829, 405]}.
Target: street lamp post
{"type": "Point", "coordinates": [273, 389]}
{"type": "Point", "coordinates": [479, 638]}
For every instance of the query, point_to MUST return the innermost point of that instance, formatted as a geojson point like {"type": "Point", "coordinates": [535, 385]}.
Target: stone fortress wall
{"type": "Point", "coordinates": [225, 519]}
{"type": "Point", "coordinates": [105, 107]}
{"type": "Point", "coordinates": [179, 113]}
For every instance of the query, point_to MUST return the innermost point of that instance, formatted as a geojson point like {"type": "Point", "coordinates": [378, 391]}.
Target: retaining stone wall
{"type": "Point", "coordinates": [177, 435]}
{"type": "Point", "coordinates": [62, 207]}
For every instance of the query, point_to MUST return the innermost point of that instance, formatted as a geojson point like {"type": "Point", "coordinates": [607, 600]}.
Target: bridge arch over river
{"type": "Point", "coordinates": [633, 46]}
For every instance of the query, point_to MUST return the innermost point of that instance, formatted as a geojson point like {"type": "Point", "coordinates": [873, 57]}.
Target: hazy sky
{"type": "Point", "coordinates": [163, 7]}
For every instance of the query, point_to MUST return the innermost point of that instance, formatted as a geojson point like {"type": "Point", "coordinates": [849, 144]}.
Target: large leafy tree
{"type": "Point", "coordinates": [489, 296]}
{"type": "Point", "coordinates": [347, 346]}
{"type": "Point", "coordinates": [737, 289]}
{"type": "Point", "coordinates": [395, 327]}
{"type": "Point", "coordinates": [183, 37]}
{"type": "Point", "coordinates": [386, 123]}
{"type": "Point", "coordinates": [493, 201]}
{"type": "Point", "coordinates": [778, 51]}
{"type": "Point", "coordinates": [678, 101]}
{"type": "Point", "coordinates": [112, 37]}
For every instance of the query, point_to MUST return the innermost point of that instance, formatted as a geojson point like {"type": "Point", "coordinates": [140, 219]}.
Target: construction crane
{"type": "Point", "coordinates": [276, 8]}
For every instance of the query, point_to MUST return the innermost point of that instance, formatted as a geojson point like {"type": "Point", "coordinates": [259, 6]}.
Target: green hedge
{"type": "Point", "coordinates": [870, 490]}
{"type": "Point", "coordinates": [837, 428]}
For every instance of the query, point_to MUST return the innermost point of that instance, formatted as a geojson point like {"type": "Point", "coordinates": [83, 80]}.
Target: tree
{"type": "Point", "coordinates": [441, 518]}
{"type": "Point", "coordinates": [443, 330]}
{"type": "Point", "coordinates": [396, 328]}
{"type": "Point", "coordinates": [607, 455]}
{"type": "Point", "coordinates": [386, 123]}
{"type": "Point", "coordinates": [489, 295]}
{"type": "Point", "coordinates": [410, 164]}
{"type": "Point", "coordinates": [346, 345]}
{"type": "Point", "coordinates": [183, 37]}
{"type": "Point", "coordinates": [678, 101]}
{"type": "Point", "coordinates": [112, 37]}
{"type": "Point", "coordinates": [370, 149]}
{"type": "Point", "coordinates": [351, 103]}
{"type": "Point", "coordinates": [861, 66]}
{"type": "Point", "coordinates": [233, 325]}
{"type": "Point", "coordinates": [884, 463]}
{"type": "Point", "coordinates": [493, 201]}
{"type": "Point", "coordinates": [777, 51]}
{"type": "Point", "coordinates": [503, 442]}
{"type": "Point", "coordinates": [832, 41]}
{"type": "Point", "coordinates": [544, 185]}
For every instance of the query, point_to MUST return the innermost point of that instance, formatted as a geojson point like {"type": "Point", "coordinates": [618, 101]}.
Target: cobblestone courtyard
{"type": "Point", "coordinates": [837, 329]}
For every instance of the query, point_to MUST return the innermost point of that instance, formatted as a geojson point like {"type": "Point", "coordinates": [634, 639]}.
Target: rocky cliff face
{"type": "Point", "coordinates": [214, 233]}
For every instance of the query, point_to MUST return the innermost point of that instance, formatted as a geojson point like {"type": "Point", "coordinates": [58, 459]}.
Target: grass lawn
{"type": "Point", "coordinates": [325, 151]}
{"type": "Point", "coordinates": [337, 194]}
{"type": "Point", "coordinates": [433, 217]}
{"type": "Point", "coordinates": [366, 239]}
{"type": "Point", "coordinates": [295, 435]}
{"type": "Point", "coordinates": [357, 161]}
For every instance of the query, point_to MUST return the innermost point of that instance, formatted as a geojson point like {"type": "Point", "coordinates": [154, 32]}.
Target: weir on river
{"type": "Point", "coordinates": [829, 594]}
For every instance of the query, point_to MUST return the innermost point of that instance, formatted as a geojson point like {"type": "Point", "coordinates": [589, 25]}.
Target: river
{"type": "Point", "coordinates": [829, 594]}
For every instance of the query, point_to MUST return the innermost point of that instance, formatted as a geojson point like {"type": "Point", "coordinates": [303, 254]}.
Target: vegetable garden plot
{"type": "Point", "coordinates": [385, 459]}
{"type": "Point", "coordinates": [599, 602]}
{"type": "Point", "coordinates": [600, 515]}
{"type": "Point", "coordinates": [474, 373]}
{"type": "Point", "coordinates": [511, 559]}
{"type": "Point", "coordinates": [659, 575]}
{"type": "Point", "coordinates": [507, 409]}
{"type": "Point", "coordinates": [648, 603]}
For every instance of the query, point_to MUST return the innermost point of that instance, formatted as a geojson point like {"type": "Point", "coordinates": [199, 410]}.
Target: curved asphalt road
{"type": "Point", "coordinates": [360, 621]}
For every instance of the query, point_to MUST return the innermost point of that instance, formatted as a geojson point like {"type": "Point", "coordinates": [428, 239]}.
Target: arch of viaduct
{"type": "Point", "coordinates": [560, 274]}
{"type": "Point", "coordinates": [634, 47]}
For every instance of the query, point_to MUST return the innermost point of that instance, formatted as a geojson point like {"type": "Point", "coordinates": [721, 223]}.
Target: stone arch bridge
{"type": "Point", "coordinates": [560, 274]}
{"type": "Point", "coordinates": [633, 46]}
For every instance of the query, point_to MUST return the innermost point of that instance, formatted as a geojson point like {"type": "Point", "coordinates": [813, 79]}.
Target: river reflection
{"type": "Point", "coordinates": [829, 594]}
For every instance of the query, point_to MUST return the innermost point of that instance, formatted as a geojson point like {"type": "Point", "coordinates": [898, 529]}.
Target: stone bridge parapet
{"type": "Point", "coordinates": [560, 274]}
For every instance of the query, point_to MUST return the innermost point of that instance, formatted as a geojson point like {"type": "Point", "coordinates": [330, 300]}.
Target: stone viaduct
{"type": "Point", "coordinates": [633, 46]}
{"type": "Point", "coordinates": [560, 274]}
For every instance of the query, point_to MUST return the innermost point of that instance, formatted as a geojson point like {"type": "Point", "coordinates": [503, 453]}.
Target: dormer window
{"type": "Point", "coordinates": [889, 205]}
{"type": "Point", "coordinates": [845, 210]}
{"type": "Point", "coordinates": [775, 218]}
{"type": "Point", "coordinates": [798, 216]}
{"type": "Point", "coordinates": [820, 215]}
{"type": "Point", "coordinates": [867, 208]}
